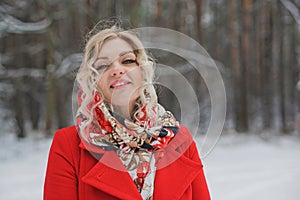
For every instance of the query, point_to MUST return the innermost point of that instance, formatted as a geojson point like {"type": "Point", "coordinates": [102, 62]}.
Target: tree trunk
{"type": "Point", "coordinates": [281, 74]}
{"type": "Point", "coordinates": [245, 63]}
{"type": "Point", "coordinates": [267, 66]}
{"type": "Point", "coordinates": [89, 16]}
{"type": "Point", "coordinates": [276, 62]}
{"type": "Point", "coordinates": [235, 65]}
{"type": "Point", "coordinates": [33, 106]}
{"type": "Point", "coordinates": [63, 103]}
{"type": "Point", "coordinates": [198, 20]}
{"type": "Point", "coordinates": [135, 13]}
{"type": "Point", "coordinates": [291, 71]}
{"type": "Point", "coordinates": [159, 10]}
{"type": "Point", "coordinates": [50, 84]}
{"type": "Point", "coordinates": [18, 107]}
{"type": "Point", "coordinates": [174, 15]}
{"type": "Point", "coordinates": [215, 35]}
{"type": "Point", "coordinates": [259, 63]}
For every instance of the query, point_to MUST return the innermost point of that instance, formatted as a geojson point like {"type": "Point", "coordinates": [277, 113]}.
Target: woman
{"type": "Point", "coordinates": [125, 145]}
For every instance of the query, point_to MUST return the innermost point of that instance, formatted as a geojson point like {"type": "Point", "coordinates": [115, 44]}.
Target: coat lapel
{"type": "Point", "coordinates": [175, 171]}
{"type": "Point", "coordinates": [110, 176]}
{"type": "Point", "coordinates": [173, 180]}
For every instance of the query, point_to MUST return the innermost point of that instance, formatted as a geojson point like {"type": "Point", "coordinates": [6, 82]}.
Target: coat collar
{"type": "Point", "coordinates": [175, 172]}
{"type": "Point", "coordinates": [116, 182]}
{"type": "Point", "coordinates": [172, 180]}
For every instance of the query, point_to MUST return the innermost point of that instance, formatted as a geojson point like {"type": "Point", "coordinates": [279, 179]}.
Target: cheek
{"type": "Point", "coordinates": [139, 76]}
{"type": "Point", "coordinates": [102, 85]}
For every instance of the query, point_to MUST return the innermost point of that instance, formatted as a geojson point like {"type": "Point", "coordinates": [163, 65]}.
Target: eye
{"type": "Point", "coordinates": [129, 61]}
{"type": "Point", "coordinates": [101, 67]}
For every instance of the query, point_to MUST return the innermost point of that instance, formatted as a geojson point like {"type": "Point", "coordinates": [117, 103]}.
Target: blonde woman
{"type": "Point", "coordinates": [124, 145]}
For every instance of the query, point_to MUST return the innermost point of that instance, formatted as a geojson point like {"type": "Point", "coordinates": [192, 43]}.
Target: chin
{"type": "Point", "coordinates": [123, 99]}
{"type": "Point", "coordinates": [120, 101]}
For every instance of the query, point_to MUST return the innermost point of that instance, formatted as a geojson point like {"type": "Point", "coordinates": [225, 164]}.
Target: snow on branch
{"type": "Point", "coordinates": [18, 73]}
{"type": "Point", "coordinates": [14, 25]}
{"type": "Point", "coordinates": [69, 64]}
{"type": "Point", "coordinates": [292, 9]}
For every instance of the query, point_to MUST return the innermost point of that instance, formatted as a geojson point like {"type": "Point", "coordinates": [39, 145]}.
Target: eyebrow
{"type": "Point", "coordinates": [121, 54]}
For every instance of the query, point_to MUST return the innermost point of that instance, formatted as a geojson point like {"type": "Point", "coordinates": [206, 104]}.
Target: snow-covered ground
{"type": "Point", "coordinates": [248, 167]}
{"type": "Point", "coordinates": [239, 168]}
{"type": "Point", "coordinates": [22, 168]}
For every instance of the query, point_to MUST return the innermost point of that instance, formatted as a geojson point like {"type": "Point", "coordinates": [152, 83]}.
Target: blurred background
{"type": "Point", "coordinates": [254, 43]}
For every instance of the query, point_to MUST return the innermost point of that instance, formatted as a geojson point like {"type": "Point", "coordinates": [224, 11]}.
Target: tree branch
{"type": "Point", "coordinates": [14, 25]}
{"type": "Point", "coordinates": [294, 11]}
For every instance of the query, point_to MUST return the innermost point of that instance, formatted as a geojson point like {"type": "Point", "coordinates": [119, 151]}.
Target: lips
{"type": "Point", "coordinates": [120, 83]}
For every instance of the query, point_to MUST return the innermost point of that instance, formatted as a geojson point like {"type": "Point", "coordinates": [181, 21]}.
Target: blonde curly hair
{"type": "Point", "coordinates": [88, 76]}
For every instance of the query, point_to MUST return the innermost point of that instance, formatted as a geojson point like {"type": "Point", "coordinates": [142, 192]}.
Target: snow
{"type": "Point", "coordinates": [14, 25]}
{"type": "Point", "coordinates": [239, 167]}
{"type": "Point", "coordinates": [69, 64]}
{"type": "Point", "coordinates": [250, 167]}
{"type": "Point", "coordinates": [21, 72]}
{"type": "Point", "coordinates": [22, 167]}
{"type": "Point", "coordinates": [293, 9]}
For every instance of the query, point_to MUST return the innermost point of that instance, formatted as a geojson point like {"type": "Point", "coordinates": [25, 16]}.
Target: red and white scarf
{"type": "Point", "coordinates": [134, 141]}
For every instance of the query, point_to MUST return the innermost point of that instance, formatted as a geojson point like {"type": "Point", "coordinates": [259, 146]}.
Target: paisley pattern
{"type": "Point", "coordinates": [134, 141]}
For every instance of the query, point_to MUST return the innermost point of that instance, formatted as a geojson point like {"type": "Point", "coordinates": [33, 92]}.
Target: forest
{"type": "Point", "coordinates": [254, 43]}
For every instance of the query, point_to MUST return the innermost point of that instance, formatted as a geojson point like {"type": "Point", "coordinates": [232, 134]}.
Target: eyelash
{"type": "Point", "coordinates": [129, 61]}
{"type": "Point", "coordinates": [101, 67]}
{"type": "Point", "coordinates": [126, 62]}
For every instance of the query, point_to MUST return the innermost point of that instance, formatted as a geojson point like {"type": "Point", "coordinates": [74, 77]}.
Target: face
{"type": "Point", "coordinates": [120, 74]}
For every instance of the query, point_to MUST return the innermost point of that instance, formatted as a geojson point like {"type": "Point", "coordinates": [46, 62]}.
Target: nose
{"type": "Point", "coordinates": [117, 69]}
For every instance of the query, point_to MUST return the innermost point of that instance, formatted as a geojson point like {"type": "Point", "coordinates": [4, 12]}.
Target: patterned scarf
{"type": "Point", "coordinates": [135, 142]}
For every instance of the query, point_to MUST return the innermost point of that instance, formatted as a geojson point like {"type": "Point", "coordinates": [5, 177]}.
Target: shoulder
{"type": "Point", "coordinates": [184, 130]}
{"type": "Point", "coordinates": [66, 140]}
{"type": "Point", "coordinates": [68, 133]}
{"type": "Point", "coordinates": [183, 138]}
{"type": "Point", "coordinates": [188, 145]}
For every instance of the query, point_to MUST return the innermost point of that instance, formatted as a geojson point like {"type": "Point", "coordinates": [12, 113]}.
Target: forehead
{"type": "Point", "coordinates": [114, 47]}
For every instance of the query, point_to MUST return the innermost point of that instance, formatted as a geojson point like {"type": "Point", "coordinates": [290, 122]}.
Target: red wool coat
{"type": "Point", "coordinates": [73, 173]}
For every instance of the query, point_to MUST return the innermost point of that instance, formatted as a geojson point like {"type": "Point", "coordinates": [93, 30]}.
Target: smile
{"type": "Point", "coordinates": [119, 84]}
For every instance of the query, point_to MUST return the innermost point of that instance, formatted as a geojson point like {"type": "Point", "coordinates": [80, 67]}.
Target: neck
{"type": "Point", "coordinates": [124, 110]}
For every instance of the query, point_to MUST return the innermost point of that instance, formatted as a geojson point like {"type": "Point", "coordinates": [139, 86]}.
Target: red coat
{"type": "Point", "coordinates": [74, 174]}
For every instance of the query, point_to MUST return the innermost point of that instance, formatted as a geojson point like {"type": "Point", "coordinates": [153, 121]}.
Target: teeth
{"type": "Point", "coordinates": [119, 84]}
